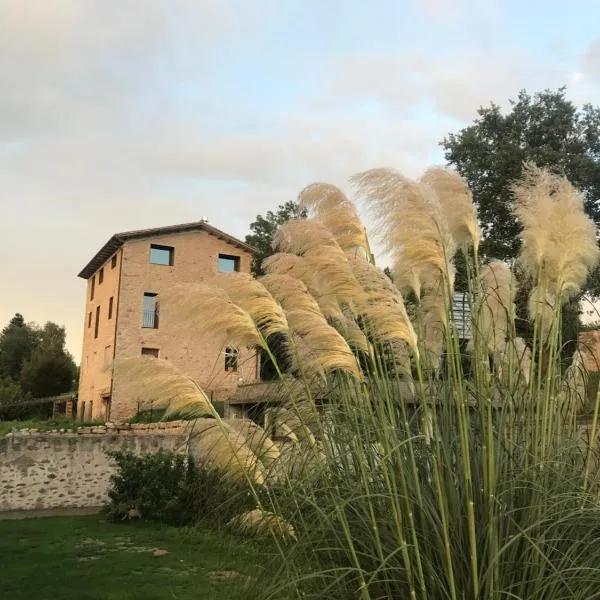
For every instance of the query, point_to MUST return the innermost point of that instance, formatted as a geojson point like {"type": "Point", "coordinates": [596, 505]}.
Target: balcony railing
{"type": "Point", "coordinates": [150, 318]}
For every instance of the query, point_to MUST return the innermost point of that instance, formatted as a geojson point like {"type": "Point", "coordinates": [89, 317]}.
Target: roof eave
{"type": "Point", "coordinates": [118, 239]}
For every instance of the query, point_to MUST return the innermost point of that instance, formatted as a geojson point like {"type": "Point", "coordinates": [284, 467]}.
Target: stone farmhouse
{"type": "Point", "coordinates": [125, 280]}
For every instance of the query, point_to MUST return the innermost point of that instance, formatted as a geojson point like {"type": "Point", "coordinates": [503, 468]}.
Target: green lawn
{"type": "Point", "coordinates": [86, 558]}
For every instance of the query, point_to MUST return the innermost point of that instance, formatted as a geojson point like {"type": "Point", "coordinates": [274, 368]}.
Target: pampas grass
{"type": "Point", "coordinates": [336, 212]}
{"type": "Point", "coordinates": [210, 313]}
{"type": "Point", "coordinates": [559, 247]}
{"type": "Point", "coordinates": [469, 482]}
{"type": "Point", "coordinates": [382, 306]}
{"type": "Point", "coordinates": [410, 226]}
{"type": "Point", "coordinates": [259, 522]}
{"type": "Point", "coordinates": [159, 383]}
{"type": "Point", "coordinates": [514, 362]}
{"type": "Point", "coordinates": [215, 443]}
{"type": "Point", "coordinates": [299, 236]}
{"type": "Point", "coordinates": [456, 201]}
{"type": "Point", "coordinates": [319, 348]}
{"type": "Point", "coordinates": [252, 297]}
{"type": "Point", "coordinates": [495, 317]}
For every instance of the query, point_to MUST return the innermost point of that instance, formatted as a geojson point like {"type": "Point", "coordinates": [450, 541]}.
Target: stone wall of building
{"type": "Point", "coordinates": [176, 339]}
{"type": "Point", "coordinates": [72, 469]}
{"type": "Point", "coordinates": [99, 341]}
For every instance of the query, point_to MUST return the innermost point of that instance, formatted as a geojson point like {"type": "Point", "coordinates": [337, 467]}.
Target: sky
{"type": "Point", "coordinates": [127, 114]}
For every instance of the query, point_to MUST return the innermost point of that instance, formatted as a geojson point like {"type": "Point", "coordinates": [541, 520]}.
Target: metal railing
{"type": "Point", "coordinates": [150, 318]}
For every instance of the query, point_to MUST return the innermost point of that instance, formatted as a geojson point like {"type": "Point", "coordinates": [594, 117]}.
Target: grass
{"type": "Point", "coordinates": [44, 424]}
{"type": "Point", "coordinates": [89, 558]}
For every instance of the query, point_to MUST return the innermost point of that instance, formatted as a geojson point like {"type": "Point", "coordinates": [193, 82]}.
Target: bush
{"type": "Point", "coordinates": [173, 489]}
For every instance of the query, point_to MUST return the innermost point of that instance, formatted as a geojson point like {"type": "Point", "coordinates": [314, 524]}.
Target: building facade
{"type": "Point", "coordinates": [125, 281]}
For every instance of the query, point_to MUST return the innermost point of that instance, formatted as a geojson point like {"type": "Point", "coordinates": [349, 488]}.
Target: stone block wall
{"type": "Point", "coordinates": [71, 469]}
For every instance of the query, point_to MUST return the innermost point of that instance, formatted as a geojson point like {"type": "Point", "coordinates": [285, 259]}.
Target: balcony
{"type": "Point", "coordinates": [150, 318]}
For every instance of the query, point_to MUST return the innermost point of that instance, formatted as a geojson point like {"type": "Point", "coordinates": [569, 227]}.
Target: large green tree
{"type": "Point", "coordinates": [34, 359]}
{"type": "Point", "coordinates": [50, 370]}
{"type": "Point", "coordinates": [545, 128]}
{"type": "Point", "coordinates": [264, 228]}
{"type": "Point", "coordinates": [17, 343]}
{"type": "Point", "coordinates": [549, 130]}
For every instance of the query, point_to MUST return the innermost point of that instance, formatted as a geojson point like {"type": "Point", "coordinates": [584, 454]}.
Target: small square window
{"type": "Point", "coordinates": [231, 359]}
{"type": "Point", "coordinates": [113, 262]}
{"type": "Point", "coordinates": [100, 276]}
{"type": "Point", "coordinates": [161, 255]}
{"type": "Point", "coordinates": [150, 352]}
{"type": "Point", "coordinates": [228, 264]}
{"type": "Point", "coordinates": [110, 307]}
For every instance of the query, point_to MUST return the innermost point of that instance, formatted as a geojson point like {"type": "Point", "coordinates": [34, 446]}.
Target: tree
{"type": "Point", "coordinates": [50, 370]}
{"type": "Point", "coordinates": [35, 360]}
{"type": "Point", "coordinates": [13, 401]}
{"type": "Point", "coordinates": [264, 228]}
{"type": "Point", "coordinates": [48, 373]}
{"type": "Point", "coordinates": [546, 129]}
{"type": "Point", "coordinates": [17, 343]}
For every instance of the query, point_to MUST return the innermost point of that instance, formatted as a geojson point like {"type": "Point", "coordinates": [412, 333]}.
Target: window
{"type": "Point", "coordinates": [161, 255]}
{"type": "Point", "coordinates": [150, 352]}
{"type": "Point", "coordinates": [231, 359]}
{"type": "Point", "coordinates": [113, 262]}
{"type": "Point", "coordinates": [150, 311]}
{"type": "Point", "coordinates": [101, 276]}
{"type": "Point", "coordinates": [89, 320]}
{"type": "Point", "coordinates": [93, 288]}
{"type": "Point", "coordinates": [228, 264]}
{"type": "Point", "coordinates": [97, 323]}
{"type": "Point", "coordinates": [108, 356]}
{"type": "Point", "coordinates": [110, 307]}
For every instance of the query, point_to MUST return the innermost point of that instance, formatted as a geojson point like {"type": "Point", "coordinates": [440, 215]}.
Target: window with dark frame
{"type": "Point", "coordinates": [161, 255]}
{"type": "Point", "coordinates": [150, 311]}
{"type": "Point", "coordinates": [101, 276]}
{"type": "Point", "coordinates": [93, 288]}
{"type": "Point", "coordinates": [97, 323]}
{"type": "Point", "coordinates": [231, 359]}
{"type": "Point", "coordinates": [110, 307]}
{"type": "Point", "coordinates": [150, 352]}
{"type": "Point", "coordinates": [113, 262]}
{"type": "Point", "coordinates": [228, 263]}
{"type": "Point", "coordinates": [89, 320]}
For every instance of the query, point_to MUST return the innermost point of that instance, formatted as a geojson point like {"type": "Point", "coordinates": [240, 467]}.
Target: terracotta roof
{"type": "Point", "coordinates": [118, 239]}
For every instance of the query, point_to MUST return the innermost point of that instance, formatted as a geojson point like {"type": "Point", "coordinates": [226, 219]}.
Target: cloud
{"type": "Point", "coordinates": [67, 65]}
{"type": "Point", "coordinates": [455, 84]}
{"type": "Point", "coordinates": [591, 61]}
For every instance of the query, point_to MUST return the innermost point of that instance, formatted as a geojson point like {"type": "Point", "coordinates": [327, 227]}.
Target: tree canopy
{"type": "Point", "coordinates": [545, 128]}
{"type": "Point", "coordinates": [33, 359]}
{"type": "Point", "coordinates": [264, 228]}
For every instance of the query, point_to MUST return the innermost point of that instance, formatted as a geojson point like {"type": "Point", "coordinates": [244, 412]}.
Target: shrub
{"type": "Point", "coordinates": [15, 404]}
{"type": "Point", "coordinates": [173, 489]}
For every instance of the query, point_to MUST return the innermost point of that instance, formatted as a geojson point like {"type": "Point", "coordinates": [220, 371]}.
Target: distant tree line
{"type": "Point", "coordinates": [34, 363]}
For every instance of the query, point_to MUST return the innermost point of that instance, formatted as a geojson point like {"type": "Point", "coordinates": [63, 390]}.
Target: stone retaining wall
{"type": "Point", "coordinates": [70, 468]}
